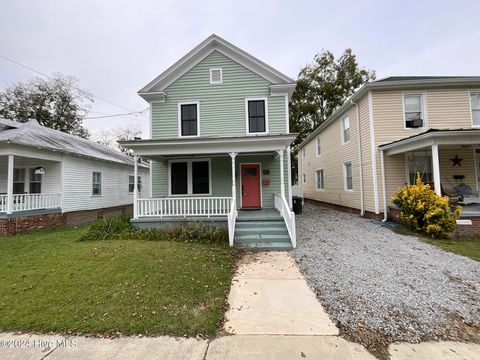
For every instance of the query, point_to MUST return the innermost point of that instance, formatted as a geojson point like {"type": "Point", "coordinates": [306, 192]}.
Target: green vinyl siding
{"type": "Point", "coordinates": [222, 176]}
{"type": "Point", "coordinates": [222, 106]}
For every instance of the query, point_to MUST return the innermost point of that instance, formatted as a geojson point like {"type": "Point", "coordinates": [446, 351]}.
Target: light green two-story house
{"type": "Point", "coordinates": [220, 146]}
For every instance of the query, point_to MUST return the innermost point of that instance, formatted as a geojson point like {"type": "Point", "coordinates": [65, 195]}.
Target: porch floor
{"type": "Point", "coordinates": [470, 210]}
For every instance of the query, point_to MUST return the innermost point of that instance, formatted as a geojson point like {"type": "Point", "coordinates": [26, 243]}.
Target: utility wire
{"type": "Point", "coordinates": [115, 115]}
{"type": "Point", "coordinates": [83, 91]}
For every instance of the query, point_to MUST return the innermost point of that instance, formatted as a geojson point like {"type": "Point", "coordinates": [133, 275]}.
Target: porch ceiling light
{"type": "Point", "coordinates": [39, 170]}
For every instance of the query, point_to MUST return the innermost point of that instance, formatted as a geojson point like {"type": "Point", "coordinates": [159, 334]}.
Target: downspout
{"type": "Point", "coordinates": [360, 159]}
{"type": "Point", "coordinates": [384, 191]}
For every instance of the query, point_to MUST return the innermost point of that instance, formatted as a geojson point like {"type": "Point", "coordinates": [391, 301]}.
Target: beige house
{"type": "Point", "coordinates": [388, 131]}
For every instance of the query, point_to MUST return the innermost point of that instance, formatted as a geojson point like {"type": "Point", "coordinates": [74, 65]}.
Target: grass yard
{"type": "Point", "coordinates": [465, 247]}
{"type": "Point", "coordinates": [51, 282]}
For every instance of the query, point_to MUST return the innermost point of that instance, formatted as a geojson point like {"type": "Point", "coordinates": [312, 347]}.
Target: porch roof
{"type": "Point", "coordinates": [433, 137]}
{"type": "Point", "coordinates": [209, 145]}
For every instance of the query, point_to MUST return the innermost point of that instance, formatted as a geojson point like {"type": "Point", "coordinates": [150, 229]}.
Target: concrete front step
{"type": "Point", "coordinates": [264, 234]}
{"type": "Point", "coordinates": [271, 230]}
{"type": "Point", "coordinates": [247, 239]}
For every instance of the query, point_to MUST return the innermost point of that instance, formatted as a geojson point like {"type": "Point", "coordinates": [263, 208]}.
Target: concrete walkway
{"type": "Point", "coordinates": [269, 296]}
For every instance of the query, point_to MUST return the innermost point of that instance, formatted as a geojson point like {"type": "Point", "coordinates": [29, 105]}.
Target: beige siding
{"type": "Point", "coordinates": [333, 155]}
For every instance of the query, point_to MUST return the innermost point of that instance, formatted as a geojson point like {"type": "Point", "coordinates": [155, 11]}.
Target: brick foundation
{"type": "Point", "coordinates": [17, 224]}
{"type": "Point", "coordinates": [350, 210]}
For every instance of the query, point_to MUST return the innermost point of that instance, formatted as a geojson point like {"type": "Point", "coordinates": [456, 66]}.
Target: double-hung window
{"type": "Point", "coordinates": [96, 183]}
{"type": "Point", "coordinates": [319, 146]}
{"type": "Point", "coordinates": [18, 181]}
{"type": "Point", "coordinates": [413, 110]}
{"type": "Point", "coordinates": [190, 177]}
{"type": "Point", "coordinates": [189, 116]}
{"type": "Point", "coordinates": [475, 108]}
{"type": "Point", "coordinates": [131, 183]}
{"type": "Point", "coordinates": [319, 179]}
{"type": "Point", "coordinates": [35, 182]}
{"type": "Point", "coordinates": [348, 176]}
{"type": "Point", "coordinates": [257, 117]}
{"type": "Point", "coordinates": [346, 129]}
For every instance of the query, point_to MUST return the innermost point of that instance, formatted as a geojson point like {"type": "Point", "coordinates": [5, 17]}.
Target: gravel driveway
{"type": "Point", "coordinates": [369, 277]}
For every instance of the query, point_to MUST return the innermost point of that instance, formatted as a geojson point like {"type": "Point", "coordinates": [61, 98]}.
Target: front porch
{"type": "Point", "coordinates": [218, 181]}
{"type": "Point", "coordinates": [29, 186]}
{"type": "Point", "coordinates": [446, 159]}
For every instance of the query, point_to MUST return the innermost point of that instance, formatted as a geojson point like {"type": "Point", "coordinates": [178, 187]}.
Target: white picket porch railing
{"type": "Point", "coordinates": [288, 216]}
{"type": "Point", "coordinates": [26, 202]}
{"type": "Point", "coordinates": [232, 218]}
{"type": "Point", "coordinates": [184, 207]}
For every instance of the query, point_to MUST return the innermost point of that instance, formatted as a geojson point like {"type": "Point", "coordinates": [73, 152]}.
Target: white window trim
{"type": "Point", "coordinates": [189, 177]}
{"type": "Point", "coordinates": [140, 176]}
{"type": "Point", "coordinates": [180, 118]}
{"type": "Point", "coordinates": [423, 95]}
{"type": "Point", "coordinates": [470, 93]}
{"type": "Point", "coordinates": [304, 178]}
{"type": "Point", "coordinates": [345, 176]}
{"type": "Point", "coordinates": [101, 184]}
{"type": "Point", "coordinates": [316, 182]}
{"type": "Point", "coordinates": [318, 142]}
{"type": "Point", "coordinates": [221, 76]}
{"type": "Point", "coordinates": [266, 115]}
{"type": "Point", "coordinates": [342, 128]}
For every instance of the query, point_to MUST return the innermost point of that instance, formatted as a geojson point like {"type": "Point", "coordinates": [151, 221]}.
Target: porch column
{"type": "Point", "coordinates": [436, 169]}
{"type": "Point", "coordinates": [135, 186]}
{"type": "Point", "coordinates": [234, 188]}
{"type": "Point", "coordinates": [282, 174]}
{"type": "Point", "coordinates": [10, 184]}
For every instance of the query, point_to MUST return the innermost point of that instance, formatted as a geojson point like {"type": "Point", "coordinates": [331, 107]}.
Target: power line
{"type": "Point", "coordinates": [115, 115]}
{"type": "Point", "coordinates": [83, 91]}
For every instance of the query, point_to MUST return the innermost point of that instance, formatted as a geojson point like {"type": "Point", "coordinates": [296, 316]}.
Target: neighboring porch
{"type": "Point", "coordinates": [222, 182]}
{"type": "Point", "coordinates": [446, 159]}
{"type": "Point", "coordinates": [29, 185]}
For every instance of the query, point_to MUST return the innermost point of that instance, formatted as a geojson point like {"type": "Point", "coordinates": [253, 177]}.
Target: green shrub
{"type": "Point", "coordinates": [121, 229]}
{"type": "Point", "coordinates": [106, 228]}
{"type": "Point", "coordinates": [423, 210]}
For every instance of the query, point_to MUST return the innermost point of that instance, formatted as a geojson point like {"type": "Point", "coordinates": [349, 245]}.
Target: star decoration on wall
{"type": "Point", "coordinates": [457, 161]}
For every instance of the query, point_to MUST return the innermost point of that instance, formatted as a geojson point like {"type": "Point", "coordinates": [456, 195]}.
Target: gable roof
{"type": "Point", "coordinates": [202, 50]}
{"type": "Point", "coordinates": [391, 83]}
{"type": "Point", "coordinates": [34, 135]}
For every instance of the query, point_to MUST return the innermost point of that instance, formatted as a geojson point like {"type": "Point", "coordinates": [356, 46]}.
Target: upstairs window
{"type": "Point", "coordinates": [319, 147]}
{"type": "Point", "coordinates": [96, 183]}
{"type": "Point", "coordinates": [18, 181]}
{"type": "Point", "coordinates": [346, 129]}
{"type": "Point", "coordinates": [216, 76]}
{"type": "Point", "coordinates": [347, 172]}
{"type": "Point", "coordinates": [413, 110]}
{"type": "Point", "coordinates": [35, 182]}
{"type": "Point", "coordinates": [475, 107]}
{"type": "Point", "coordinates": [256, 116]}
{"type": "Point", "coordinates": [189, 115]}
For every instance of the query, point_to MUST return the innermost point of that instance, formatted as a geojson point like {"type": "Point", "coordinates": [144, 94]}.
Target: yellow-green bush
{"type": "Point", "coordinates": [423, 210]}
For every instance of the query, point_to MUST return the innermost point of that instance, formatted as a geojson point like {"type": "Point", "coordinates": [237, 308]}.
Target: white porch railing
{"type": "Point", "coordinates": [289, 216]}
{"type": "Point", "coordinates": [232, 218]}
{"type": "Point", "coordinates": [183, 207]}
{"type": "Point", "coordinates": [26, 202]}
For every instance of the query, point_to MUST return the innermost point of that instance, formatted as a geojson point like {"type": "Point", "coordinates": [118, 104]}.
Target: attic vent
{"type": "Point", "coordinates": [216, 76]}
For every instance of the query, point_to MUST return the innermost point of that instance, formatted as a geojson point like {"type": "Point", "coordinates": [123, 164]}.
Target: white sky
{"type": "Point", "coordinates": [116, 47]}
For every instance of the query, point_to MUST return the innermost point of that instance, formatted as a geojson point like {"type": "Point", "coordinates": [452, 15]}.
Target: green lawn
{"type": "Point", "coordinates": [465, 247]}
{"type": "Point", "coordinates": [51, 282]}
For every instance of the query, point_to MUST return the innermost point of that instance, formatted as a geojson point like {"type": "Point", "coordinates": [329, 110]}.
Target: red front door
{"type": "Point", "coordinates": [250, 185]}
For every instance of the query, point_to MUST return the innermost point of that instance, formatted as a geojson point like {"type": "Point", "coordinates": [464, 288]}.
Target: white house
{"type": "Point", "coordinates": [49, 178]}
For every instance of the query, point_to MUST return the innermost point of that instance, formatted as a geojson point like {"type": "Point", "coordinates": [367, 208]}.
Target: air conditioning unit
{"type": "Point", "coordinates": [416, 123]}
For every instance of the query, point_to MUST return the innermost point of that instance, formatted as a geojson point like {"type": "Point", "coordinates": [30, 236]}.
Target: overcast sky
{"type": "Point", "coordinates": [116, 47]}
